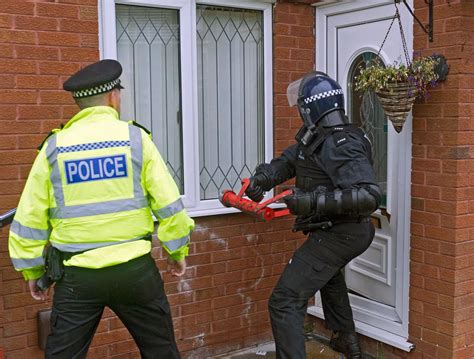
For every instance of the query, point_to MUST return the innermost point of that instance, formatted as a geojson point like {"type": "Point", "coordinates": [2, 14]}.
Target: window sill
{"type": "Point", "coordinates": [214, 207]}
{"type": "Point", "coordinates": [197, 212]}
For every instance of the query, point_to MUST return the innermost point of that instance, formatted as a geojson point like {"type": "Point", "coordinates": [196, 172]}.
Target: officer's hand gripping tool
{"type": "Point", "coordinates": [260, 210]}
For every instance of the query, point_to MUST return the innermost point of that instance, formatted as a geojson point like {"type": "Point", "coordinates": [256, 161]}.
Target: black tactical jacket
{"type": "Point", "coordinates": [339, 158]}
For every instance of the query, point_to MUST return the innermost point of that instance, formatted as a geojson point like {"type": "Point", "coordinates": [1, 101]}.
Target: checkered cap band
{"type": "Point", "coordinates": [96, 90]}
{"type": "Point", "coordinates": [322, 95]}
{"type": "Point", "coordinates": [93, 146]}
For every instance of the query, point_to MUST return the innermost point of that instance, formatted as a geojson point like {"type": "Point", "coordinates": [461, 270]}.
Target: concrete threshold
{"type": "Point", "coordinates": [316, 347]}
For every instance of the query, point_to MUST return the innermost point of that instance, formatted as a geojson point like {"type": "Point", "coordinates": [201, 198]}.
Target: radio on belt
{"type": "Point", "coordinates": [97, 168]}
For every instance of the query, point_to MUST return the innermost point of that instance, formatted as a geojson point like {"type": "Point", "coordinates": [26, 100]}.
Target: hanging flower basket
{"type": "Point", "coordinates": [397, 100]}
{"type": "Point", "coordinates": [397, 86]}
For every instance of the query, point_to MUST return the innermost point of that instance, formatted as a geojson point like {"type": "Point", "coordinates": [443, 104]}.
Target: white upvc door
{"type": "Point", "coordinates": [349, 34]}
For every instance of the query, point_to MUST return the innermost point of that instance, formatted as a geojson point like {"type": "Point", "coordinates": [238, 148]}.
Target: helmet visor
{"type": "Point", "coordinates": [292, 92]}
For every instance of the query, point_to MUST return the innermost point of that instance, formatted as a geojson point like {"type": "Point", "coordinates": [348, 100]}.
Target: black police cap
{"type": "Point", "coordinates": [94, 79]}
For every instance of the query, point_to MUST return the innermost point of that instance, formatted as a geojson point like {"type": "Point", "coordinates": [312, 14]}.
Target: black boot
{"type": "Point", "coordinates": [346, 343]}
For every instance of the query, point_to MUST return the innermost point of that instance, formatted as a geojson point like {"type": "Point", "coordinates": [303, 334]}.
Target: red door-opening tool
{"type": "Point", "coordinates": [260, 210]}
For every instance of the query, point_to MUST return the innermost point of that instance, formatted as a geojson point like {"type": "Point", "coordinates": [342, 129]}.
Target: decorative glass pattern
{"type": "Point", "coordinates": [148, 47]}
{"type": "Point", "coordinates": [230, 96]}
{"type": "Point", "coordinates": [365, 111]}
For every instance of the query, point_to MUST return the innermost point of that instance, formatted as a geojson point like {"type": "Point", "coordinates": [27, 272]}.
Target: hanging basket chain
{"type": "Point", "coordinates": [386, 35]}
{"type": "Point", "coordinates": [405, 48]}
{"type": "Point", "coordinates": [402, 34]}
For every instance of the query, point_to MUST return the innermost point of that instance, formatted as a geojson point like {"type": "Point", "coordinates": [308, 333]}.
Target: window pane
{"type": "Point", "coordinates": [365, 111]}
{"type": "Point", "coordinates": [230, 96]}
{"type": "Point", "coordinates": [148, 49]}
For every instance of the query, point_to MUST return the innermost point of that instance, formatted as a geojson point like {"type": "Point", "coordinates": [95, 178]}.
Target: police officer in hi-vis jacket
{"type": "Point", "coordinates": [335, 194]}
{"type": "Point", "coordinates": [89, 198]}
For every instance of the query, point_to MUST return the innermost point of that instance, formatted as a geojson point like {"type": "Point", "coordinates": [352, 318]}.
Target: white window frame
{"type": "Point", "coordinates": [189, 85]}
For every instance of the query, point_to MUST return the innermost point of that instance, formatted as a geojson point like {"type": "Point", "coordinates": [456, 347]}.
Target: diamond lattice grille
{"type": "Point", "coordinates": [148, 48]}
{"type": "Point", "coordinates": [230, 90]}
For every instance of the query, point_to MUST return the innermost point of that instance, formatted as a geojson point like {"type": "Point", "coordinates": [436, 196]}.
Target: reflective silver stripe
{"type": "Point", "coordinates": [92, 209]}
{"type": "Point", "coordinates": [28, 232]}
{"type": "Point", "coordinates": [176, 243]}
{"type": "Point", "coordinates": [52, 155]}
{"type": "Point", "coordinates": [20, 263]}
{"type": "Point", "coordinates": [137, 159]}
{"type": "Point", "coordinates": [169, 210]}
{"type": "Point", "coordinates": [78, 247]}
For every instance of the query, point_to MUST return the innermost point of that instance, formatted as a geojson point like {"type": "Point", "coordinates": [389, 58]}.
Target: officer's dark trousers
{"type": "Point", "coordinates": [133, 290]}
{"type": "Point", "coordinates": [316, 265]}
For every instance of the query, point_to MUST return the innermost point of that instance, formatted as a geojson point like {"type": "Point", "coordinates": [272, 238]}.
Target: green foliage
{"type": "Point", "coordinates": [420, 74]}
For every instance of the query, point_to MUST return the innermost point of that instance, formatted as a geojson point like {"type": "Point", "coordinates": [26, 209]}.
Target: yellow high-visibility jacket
{"type": "Point", "coordinates": [90, 190]}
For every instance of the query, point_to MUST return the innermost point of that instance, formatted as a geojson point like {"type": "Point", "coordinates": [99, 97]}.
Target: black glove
{"type": "Point", "coordinates": [301, 203]}
{"type": "Point", "coordinates": [255, 191]}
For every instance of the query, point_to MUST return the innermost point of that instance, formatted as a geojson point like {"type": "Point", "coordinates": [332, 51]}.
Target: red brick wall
{"type": "Point", "coordinates": [39, 48]}
{"type": "Point", "coordinates": [294, 53]}
{"type": "Point", "coordinates": [442, 216]}
{"type": "Point", "coordinates": [221, 304]}
{"type": "Point", "coordinates": [441, 307]}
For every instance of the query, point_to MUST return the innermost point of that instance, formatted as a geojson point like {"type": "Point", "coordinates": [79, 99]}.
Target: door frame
{"type": "Point", "coordinates": [398, 334]}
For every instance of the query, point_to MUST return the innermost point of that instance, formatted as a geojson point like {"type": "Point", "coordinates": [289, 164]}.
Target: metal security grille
{"type": "Point", "coordinates": [230, 96]}
{"type": "Point", "coordinates": [148, 47]}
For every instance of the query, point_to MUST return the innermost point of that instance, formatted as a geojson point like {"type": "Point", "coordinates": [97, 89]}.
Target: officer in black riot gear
{"type": "Point", "coordinates": [335, 194]}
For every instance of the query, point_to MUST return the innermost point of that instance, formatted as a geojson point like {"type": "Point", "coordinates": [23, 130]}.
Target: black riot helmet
{"type": "Point", "coordinates": [320, 101]}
